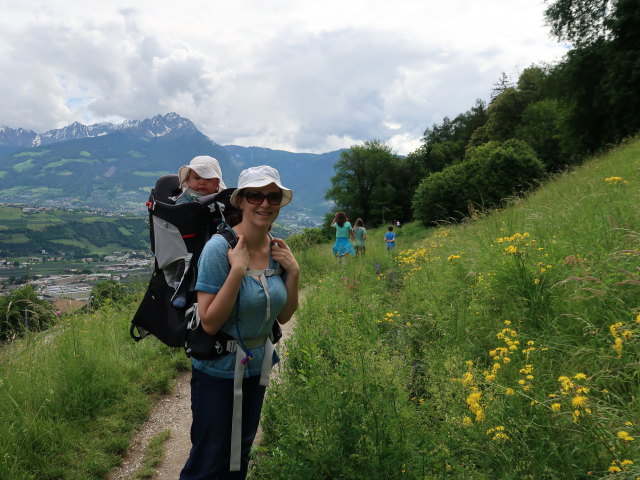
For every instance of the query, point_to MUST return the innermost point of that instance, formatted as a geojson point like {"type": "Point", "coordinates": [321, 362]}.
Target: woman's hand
{"type": "Point", "coordinates": [238, 256]}
{"type": "Point", "coordinates": [282, 254]}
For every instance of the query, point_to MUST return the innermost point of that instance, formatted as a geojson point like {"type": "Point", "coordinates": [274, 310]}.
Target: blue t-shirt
{"type": "Point", "coordinates": [248, 313]}
{"type": "Point", "coordinates": [342, 231]}
{"type": "Point", "coordinates": [391, 239]}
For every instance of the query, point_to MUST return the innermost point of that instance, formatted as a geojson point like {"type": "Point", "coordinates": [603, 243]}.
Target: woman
{"type": "Point", "coordinates": [360, 235]}
{"type": "Point", "coordinates": [342, 246]}
{"type": "Point", "coordinates": [241, 294]}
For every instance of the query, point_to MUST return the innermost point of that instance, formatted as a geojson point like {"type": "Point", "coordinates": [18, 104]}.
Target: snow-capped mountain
{"type": "Point", "coordinates": [158, 126]}
{"type": "Point", "coordinates": [72, 132]}
{"type": "Point", "coordinates": [16, 137]}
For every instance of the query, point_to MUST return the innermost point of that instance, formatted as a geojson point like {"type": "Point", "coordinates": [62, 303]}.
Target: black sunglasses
{"type": "Point", "coordinates": [256, 198]}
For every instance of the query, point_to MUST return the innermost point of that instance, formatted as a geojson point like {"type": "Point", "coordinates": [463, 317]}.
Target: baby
{"type": "Point", "coordinates": [201, 177]}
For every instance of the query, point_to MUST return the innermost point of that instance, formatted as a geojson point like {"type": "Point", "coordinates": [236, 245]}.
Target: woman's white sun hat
{"type": "Point", "coordinates": [205, 166]}
{"type": "Point", "coordinates": [256, 177]}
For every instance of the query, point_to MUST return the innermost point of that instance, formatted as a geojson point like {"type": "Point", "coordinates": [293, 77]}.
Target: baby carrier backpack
{"type": "Point", "coordinates": [178, 234]}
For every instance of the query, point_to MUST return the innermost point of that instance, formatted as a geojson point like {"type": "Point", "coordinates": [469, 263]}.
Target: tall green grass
{"type": "Point", "coordinates": [507, 346]}
{"type": "Point", "coordinates": [72, 397]}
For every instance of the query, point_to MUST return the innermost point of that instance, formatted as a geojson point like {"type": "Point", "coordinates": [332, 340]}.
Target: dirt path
{"type": "Point", "coordinates": [173, 412]}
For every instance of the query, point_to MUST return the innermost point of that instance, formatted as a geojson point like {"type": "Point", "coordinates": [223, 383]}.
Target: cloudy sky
{"type": "Point", "coordinates": [282, 74]}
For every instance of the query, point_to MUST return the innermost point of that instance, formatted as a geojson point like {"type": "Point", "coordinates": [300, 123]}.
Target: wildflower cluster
{"type": "Point", "coordinates": [615, 180]}
{"type": "Point", "coordinates": [474, 399]}
{"type": "Point", "coordinates": [624, 332]}
{"type": "Point", "coordinates": [518, 243]}
{"type": "Point", "coordinates": [508, 353]}
{"type": "Point", "coordinates": [498, 434]}
{"type": "Point", "coordinates": [574, 391]}
{"type": "Point", "coordinates": [619, 466]}
{"type": "Point", "coordinates": [389, 317]}
{"type": "Point", "coordinates": [413, 259]}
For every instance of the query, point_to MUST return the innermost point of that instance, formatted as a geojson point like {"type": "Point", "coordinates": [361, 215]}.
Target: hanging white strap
{"type": "Point", "coordinates": [267, 362]}
{"type": "Point", "coordinates": [236, 420]}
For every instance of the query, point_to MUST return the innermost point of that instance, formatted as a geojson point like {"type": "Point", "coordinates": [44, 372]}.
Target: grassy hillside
{"type": "Point", "coordinates": [505, 347]}
{"type": "Point", "coordinates": [69, 232]}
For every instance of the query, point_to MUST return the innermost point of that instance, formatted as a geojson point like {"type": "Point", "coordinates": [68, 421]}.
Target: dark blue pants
{"type": "Point", "coordinates": [212, 408]}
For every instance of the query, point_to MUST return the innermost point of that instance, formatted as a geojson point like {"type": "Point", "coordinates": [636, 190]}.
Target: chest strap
{"type": "Point", "coordinates": [262, 278]}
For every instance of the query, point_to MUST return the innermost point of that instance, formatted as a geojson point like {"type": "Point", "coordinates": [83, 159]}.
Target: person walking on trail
{"type": "Point", "coordinates": [240, 293]}
{"type": "Point", "coordinates": [360, 235]}
{"type": "Point", "coordinates": [344, 234]}
{"type": "Point", "coordinates": [390, 238]}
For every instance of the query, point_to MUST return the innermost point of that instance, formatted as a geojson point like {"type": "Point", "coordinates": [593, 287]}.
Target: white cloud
{"type": "Point", "coordinates": [301, 76]}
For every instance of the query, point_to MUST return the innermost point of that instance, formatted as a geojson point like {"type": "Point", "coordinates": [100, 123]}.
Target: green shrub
{"type": "Point", "coordinates": [489, 174]}
{"type": "Point", "coordinates": [106, 292]}
{"type": "Point", "coordinates": [22, 310]}
{"type": "Point", "coordinates": [307, 238]}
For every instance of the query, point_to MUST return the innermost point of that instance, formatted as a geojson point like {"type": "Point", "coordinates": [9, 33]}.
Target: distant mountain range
{"type": "Point", "coordinates": [114, 166]}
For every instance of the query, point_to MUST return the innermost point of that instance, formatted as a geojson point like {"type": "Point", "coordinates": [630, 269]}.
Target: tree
{"type": "Point", "coordinates": [105, 292]}
{"type": "Point", "coordinates": [582, 22]}
{"type": "Point", "coordinates": [540, 128]}
{"type": "Point", "coordinates": [503, 115]}
{"type": "Point", "coordinates": [369, 178]}
{"type": "Point", "coordinates": [445, 144]}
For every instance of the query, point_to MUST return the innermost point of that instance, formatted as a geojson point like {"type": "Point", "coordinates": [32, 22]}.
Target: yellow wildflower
{"type": "Point", "coordinates": [500, 437]}
{"type": "Point", "coordinates": [624, 436]}
{"type": "Point", "coordinates": [618, 345]}
{"type": "Point", "coordinates": [580, 376]}
{"type": "Point", "coordinates": [555, 407]}
{"type": "Point", "coordinates": [510, 391]}
{"type": "Point", "coordinates": [615, 180]}
{"type": "Point", "coordinates": [614, 469]}
{"type": "Point", "coordinates": [466, 421]}
{"type": "Point", "coordinates": [579, 401]}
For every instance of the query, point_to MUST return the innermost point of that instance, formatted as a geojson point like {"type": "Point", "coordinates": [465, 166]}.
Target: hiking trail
{"type": "Point", "coordinates": [173, 413]}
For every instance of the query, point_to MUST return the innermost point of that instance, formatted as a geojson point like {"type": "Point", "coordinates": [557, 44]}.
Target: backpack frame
{"type": "Point", "coordinates": [178, 234]}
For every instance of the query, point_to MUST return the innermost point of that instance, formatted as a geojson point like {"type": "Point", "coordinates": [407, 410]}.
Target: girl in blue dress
{"type": "Point", "coordinates": [344, 234]}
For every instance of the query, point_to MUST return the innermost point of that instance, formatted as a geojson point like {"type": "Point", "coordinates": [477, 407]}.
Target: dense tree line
{"type": "Point", "coordinates": [552, 117]}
